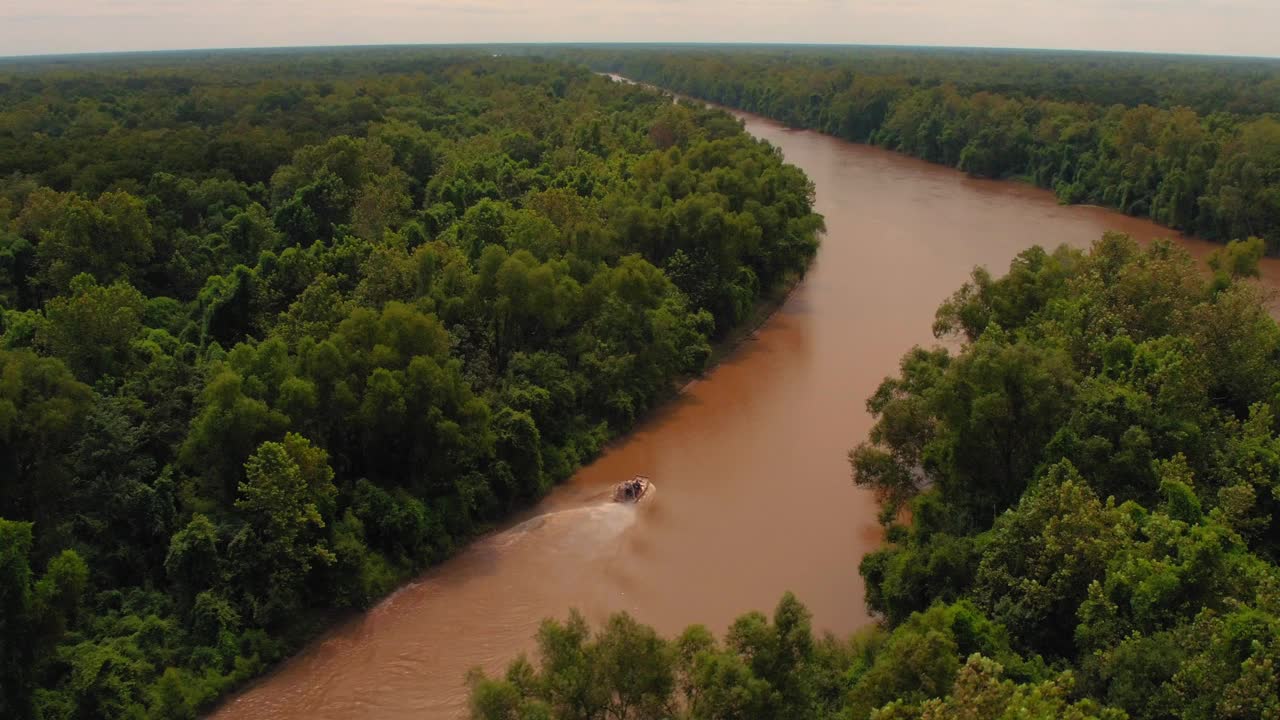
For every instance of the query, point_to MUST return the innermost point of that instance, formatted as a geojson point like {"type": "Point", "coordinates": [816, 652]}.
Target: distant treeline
{"type": "Point", "coordinates": [1192, 143]}
{"type": "Point", "coordinates": [279, 329]}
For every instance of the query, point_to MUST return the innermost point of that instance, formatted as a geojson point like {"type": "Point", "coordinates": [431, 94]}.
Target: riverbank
{"type": "Point", "coordinates": [1102, 155]}
{"type": "Point", "coordinates": [760, 314]}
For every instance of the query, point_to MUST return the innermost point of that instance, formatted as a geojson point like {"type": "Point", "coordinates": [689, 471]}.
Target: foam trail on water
{"type": "Point", "coordinates": [593, 523]}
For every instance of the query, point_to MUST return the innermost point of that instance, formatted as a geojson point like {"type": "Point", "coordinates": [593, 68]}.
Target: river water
{"type": "Point", "coordinates": [754, 495]}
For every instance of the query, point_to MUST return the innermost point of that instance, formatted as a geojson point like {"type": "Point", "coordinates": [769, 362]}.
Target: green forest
{"type": "Point", "coordinates": [280, 329]}
{"type": "Point", "coordinates": [1082, 507]}
{"type": "Point", "coordinates": [1192, 143]}
{"type": "Point", "coordinates": [1080, 484]}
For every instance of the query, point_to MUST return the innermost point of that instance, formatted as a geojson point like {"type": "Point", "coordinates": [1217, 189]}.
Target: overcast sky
{"type": "Point", "coordinates": [1235, 27]}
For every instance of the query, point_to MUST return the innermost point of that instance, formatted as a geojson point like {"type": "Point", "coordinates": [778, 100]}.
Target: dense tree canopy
{"type": "Point", "coordinates": [1140, 541]}
{"type": "Point", "coordinates": [279, 330]}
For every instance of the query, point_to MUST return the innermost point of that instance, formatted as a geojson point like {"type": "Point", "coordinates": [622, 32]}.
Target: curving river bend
{"type": "Point", "coordinates": [755, 496]}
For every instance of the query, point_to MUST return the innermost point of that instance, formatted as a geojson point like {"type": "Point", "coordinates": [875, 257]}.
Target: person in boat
{"type": "Point", "coordinates": [631, 489]}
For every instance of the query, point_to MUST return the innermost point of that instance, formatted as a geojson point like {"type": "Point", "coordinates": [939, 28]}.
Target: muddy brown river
{"type": "Point", "coordinates": [754, 495]}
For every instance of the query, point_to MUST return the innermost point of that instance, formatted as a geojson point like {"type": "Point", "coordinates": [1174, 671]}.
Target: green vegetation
{"type": "Point", "coordinates": [278, 330]}
{"type": "Point", "coordinates": [1094, 503]}
{"type": "Point", "coordinates": [1192, 143]}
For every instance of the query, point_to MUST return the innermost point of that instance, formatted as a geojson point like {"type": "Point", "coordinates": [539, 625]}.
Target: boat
{"type": "Point", "coordinates": [633, 490]}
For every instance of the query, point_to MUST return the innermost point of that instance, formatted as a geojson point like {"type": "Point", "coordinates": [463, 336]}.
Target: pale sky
{"type": "Point", "coordinates": [1233, 27]}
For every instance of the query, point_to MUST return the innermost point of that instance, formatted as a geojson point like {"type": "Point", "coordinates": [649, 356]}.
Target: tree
{"type": "Point", "coordinates": [58, 595]}
{"type": "Point", "coordinates": [17, 258]}
{"type": "Point", "coordinates": [1041, 557]}
{"type": "Point", "coordinates": [1239, 259]}
{"type": "Point", "coordinates": [17, 651]}
{"type": "Point", "coordinates": [726, 688]}
{"type": "Point", "coordinates": [979, 693]}
{"type": "Point", "coordinates": [93, 329]}
{"type": "Point", "coordinates": [229, 305]}
{"type": "Point", "coordinates": [272, 555]}
{"type": "Point", "coordinates": [637, 666]}
{"type": "Point", "coordinates": [35, 614]}
{"type": "Point", "coordinates": [42, 409]}
{"type": "Point", "coordinates": [230, 425]}
{"type": "Point", "coordinates": [193, 562]}
{"type": "Point", "coordinates": [519, 449]}
{"type": "Point", "coordinates": [975, 428]}
{"type": "Point", "coordinates": [109, 238]}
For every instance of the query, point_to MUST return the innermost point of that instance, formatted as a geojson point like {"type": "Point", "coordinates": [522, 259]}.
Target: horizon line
{"type": "Point", "coordinates": [46, 56]}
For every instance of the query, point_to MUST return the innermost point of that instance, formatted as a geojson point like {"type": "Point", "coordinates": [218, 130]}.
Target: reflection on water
{"type": "Point", "coordinates": [756, 497]}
